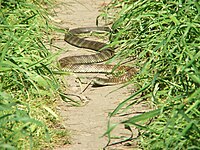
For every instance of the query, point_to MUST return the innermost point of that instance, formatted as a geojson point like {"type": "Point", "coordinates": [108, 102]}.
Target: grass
{"type": "Point", "coordinates": [164, 37]}
{"type": "Point", "coordinates": [28, 88]}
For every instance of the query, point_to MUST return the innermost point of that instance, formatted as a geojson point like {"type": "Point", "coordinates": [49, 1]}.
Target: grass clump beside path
{"type": "Point", "coordinates": [27, 87]}
{"type": "Point", "coordinates": [164, 36]}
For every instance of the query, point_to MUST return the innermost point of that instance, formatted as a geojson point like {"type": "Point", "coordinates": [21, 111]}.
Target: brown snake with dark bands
{"type": "Point", "coordinates": [86, 63]}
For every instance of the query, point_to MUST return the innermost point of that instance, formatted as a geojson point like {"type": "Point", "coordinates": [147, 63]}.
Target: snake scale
{"type": "Point", "coordinates": [89, 63]}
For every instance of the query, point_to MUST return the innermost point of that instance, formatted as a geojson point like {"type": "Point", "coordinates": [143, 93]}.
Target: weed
{"type": "Point", "coordinates": [28, 86]}
{"type": "Point", "coordinates": [164, 38]}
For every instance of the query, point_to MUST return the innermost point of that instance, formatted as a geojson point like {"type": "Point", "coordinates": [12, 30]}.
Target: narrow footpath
{"type": "Point", "coordinates": [88, 122]}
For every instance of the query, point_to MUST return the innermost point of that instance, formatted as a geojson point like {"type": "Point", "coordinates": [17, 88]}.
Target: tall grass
{"type": "Point", "coordinates": [164, 36]}
{"type": "Point", "coordinates": [27, 86]}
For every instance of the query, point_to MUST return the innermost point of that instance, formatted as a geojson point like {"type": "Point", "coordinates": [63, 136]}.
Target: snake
{"type": "Point", "coordinates": [91, 63]}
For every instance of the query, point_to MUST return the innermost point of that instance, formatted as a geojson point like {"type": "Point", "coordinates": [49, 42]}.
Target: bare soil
{"type": "Point", "coordinates": [89, 122]}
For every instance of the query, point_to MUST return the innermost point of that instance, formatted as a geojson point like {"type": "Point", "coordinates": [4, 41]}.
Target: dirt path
{"type": "Point", "coordinates": [89, 122]}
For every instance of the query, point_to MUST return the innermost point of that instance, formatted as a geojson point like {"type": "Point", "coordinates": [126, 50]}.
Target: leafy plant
{"type": "Point", "coordinates": [28, 86]}
{"type": "Point", "coordinates": [164, 38]}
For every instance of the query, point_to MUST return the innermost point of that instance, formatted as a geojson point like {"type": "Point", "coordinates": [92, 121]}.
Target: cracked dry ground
{"type": "Point", "coordinates": [88, 122]}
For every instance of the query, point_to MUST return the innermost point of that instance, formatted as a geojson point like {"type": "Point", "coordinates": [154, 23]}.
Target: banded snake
{"type": "Point", "coordinates": [90, 63]}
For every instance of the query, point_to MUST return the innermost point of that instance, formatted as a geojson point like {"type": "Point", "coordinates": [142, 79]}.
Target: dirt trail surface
{"type": "Point", "coordinates": [88, 122]}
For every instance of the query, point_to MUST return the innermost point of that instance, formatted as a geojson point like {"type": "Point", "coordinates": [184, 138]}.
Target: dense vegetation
{"type": "Point", "coordinates": [164, 36]}
{"type": "Point", "coordinates": [27, 87]}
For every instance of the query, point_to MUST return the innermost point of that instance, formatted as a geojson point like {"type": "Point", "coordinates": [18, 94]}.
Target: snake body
{"type": "Point", "coordinates": [87, 63]}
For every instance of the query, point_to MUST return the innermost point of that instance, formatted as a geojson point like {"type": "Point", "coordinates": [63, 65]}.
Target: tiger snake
{"type": "Point", "coordinates": [90, 63]}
